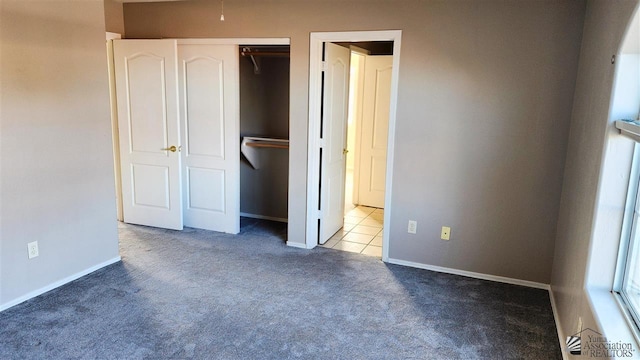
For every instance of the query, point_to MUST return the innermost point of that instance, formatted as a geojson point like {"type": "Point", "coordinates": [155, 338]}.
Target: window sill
{"type": "Point", "coordinates": [612, 319]}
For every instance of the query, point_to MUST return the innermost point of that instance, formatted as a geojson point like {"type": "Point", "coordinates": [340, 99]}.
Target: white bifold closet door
{"type": "Point", "coordinates": [179, 137]}
{"type": "Point", "coordinates": [209, 104]}
{"type": "Point", "coordinates": [149, 125]}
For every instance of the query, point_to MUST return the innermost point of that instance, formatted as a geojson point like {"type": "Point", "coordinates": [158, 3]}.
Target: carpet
{"type": "Point", "coordinates": [206, 295]}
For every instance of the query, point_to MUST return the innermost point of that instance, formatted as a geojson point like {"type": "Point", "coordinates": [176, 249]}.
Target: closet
{"type": "Point", "coordinates": [264, 129]}
{"type": "Point", "coordinates": [179, 109]}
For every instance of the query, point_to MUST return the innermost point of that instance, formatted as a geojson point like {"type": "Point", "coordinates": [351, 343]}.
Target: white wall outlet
{"type": "Point", "coordinates": [32, 247]}
{"type": "Point", "coordinates": [445, 233]}
{"type": "Point", "coordinates": [412, 228]}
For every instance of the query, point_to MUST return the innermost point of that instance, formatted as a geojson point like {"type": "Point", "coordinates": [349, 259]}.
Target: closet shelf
{"type": "Point", "coordinates": [249, 146]}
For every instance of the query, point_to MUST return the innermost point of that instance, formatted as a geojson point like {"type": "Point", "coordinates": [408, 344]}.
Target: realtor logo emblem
{"type": "Point", "coordinates": [574, 345]}
{"type": "Point", "coordinates": [592, 344]}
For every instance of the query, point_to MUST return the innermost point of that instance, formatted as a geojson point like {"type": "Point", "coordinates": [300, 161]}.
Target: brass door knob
{"type": "Point", "coordinates": [173, 148]}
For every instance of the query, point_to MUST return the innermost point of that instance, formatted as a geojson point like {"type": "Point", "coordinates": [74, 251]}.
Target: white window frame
{"type": "Point", "coordinates": [629, 228]}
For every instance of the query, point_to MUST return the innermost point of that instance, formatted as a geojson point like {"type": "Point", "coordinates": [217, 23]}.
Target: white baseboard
{"type": "Point", "coordinates": [56, 284]}
{"type": "Point", "coordinates": [263, 217]}
{"type": "Point", "coordinates": [297, 245]}
{"type": "Point", "coordinates": [501, 279]}
{"type": "Point", "coordinates": [471, 274]}
{"type": "Point", "coordinates": [556, 318]}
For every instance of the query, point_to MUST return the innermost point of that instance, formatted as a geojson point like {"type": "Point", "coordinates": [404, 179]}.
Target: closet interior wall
{"type": "Point", "coordinates": [264, 112]}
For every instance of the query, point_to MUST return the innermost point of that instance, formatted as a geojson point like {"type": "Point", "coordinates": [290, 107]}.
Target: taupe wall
{"type": "Point", "coordinates": [591, 133]}
{"type": "Point", "coordinates": [264, 112]}
{"type": "Point", "coordinates": [56, 164]}
{"type": "Point", "coordinates": [114, 16]}
{"type": "Point", "coordinates": [485, 97]}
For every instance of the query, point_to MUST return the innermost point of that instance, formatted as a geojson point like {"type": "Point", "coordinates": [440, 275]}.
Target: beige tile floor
{"type": "Point", "coordinates": [362, 232]}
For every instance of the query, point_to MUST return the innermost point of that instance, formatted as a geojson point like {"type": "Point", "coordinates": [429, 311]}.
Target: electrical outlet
{"type": "Point", "coordinates": [32, 247]}
{"type": "Point", "coordinates": [412, 228]}
{"type": "Point", "coordinates": [445, 233]}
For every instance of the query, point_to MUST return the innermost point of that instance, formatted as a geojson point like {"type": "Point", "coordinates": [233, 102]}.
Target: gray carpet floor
{"type": "Point", "coordinates": [206, 295]}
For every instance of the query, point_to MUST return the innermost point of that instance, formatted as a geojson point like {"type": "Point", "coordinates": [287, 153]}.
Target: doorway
{"type": "Point", "coordinates": [328, 131]}
{"type": "Point", "coordinates": [366, 147]}
{"type": "Point", "coordinates": [264, 130]}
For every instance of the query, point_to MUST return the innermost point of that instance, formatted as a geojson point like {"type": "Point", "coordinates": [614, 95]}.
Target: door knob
{"type": "Point", "coordinates": [173, 148]}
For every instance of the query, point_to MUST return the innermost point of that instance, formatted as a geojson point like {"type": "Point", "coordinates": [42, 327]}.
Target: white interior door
{"type": "Point", "coordinates": [375, 130]}
{"type": "Point", "coordinates": [209, 88]}
{"type": "Point", "coordinates": [146, 83]}
{"type": "Point", "coordinates": [334, 128]}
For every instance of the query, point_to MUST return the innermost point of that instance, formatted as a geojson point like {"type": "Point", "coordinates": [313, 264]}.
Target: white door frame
{"type": "Point", "coordinates": [115, 140]}
{"type": "Point", "coordinates": [314, 143]}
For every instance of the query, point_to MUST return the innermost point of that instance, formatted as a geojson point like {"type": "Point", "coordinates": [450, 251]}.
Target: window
{"type": "Point", "coordinates": [625, 105]}
{"type": "Point", "coordinates": [629, 267]}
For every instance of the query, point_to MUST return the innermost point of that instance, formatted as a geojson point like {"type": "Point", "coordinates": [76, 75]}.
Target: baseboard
{"type": "Point", "coordinates": [471, 274]}
{"type": "Point", "coordinates": [57, 284]}
{"type": "Point", "coordinates": [501, 279]}
{"type": "Point", "coordinates": [263, 217]}
{"type": "Point", "coordinates": [556, 318]}
{"type": "Point", "coordinates": [297, 245]}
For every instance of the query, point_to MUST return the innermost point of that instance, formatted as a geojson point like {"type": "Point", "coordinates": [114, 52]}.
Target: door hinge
{"type": "Point", "coordinates": [319, 215]}
{"type": "Point", "coordinates": [324, 66]}
{"type": "Point", "coordinates": [321, 143]}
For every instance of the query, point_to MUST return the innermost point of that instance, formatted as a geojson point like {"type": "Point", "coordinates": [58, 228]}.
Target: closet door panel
{"type": "Point", "coordinates": [204, 113]}
{"type": "Point", "coordinates": [146, 98]}
{"type": "Point", "coordinates": [209, 91]}
{"type": "Point", "coordinates": [148, 123]}
{"type": "Point", "coordinates": [206, 190]}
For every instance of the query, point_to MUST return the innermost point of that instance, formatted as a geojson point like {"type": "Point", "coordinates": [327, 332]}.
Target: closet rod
{"type": "Point", "coordinates": [275, 146]}
{"type": "Point", "coordinates": [265, 53]}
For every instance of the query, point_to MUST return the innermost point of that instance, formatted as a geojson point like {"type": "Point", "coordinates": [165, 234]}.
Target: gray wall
{"type": "Point", "coordinates": [581, 210]}
{"type": "Point", "coordinates": [264, 112]}
{"type": "Point", "coordinates": [56, 164]}
{"type": "Point", "coordinates": [485, 98]}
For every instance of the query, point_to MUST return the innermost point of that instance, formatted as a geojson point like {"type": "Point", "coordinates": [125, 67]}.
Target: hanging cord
{"type": "Point", "coordinates": [221, 10]}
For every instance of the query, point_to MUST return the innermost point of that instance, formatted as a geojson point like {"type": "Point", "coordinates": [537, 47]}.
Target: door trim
{"type": "Point", "coordinates": [313, 151]}
{"type": "Point", "coordinates": [115, 140]}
